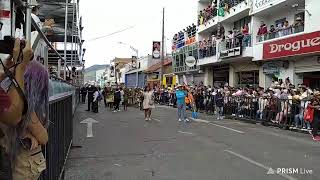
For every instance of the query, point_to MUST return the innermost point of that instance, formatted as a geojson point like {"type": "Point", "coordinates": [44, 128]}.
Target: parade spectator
{"type": "Point", "coordinates": [298, 25]}
{"type": "Point", "coordinates": [246, 37]}
{"type": "Point", "coordinates": [272, 32]}
{"type": "Point", "coordinates": [263, 31]}
{"type": "Point", "coordinates": [286, 28]}
{"type": "Point", "coordinates": [32, 132]}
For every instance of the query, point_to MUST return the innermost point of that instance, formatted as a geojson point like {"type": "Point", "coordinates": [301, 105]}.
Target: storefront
{"type": "Point", "coordinates": [295, 57]}
{"type": "Point", "coordinates": [244, 74]}
{"type": "Point", "coordinates": [220, 75]}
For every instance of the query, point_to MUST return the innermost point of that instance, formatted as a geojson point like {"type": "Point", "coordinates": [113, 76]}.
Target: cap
{"type": "Point", "coordinates": [34, 3]}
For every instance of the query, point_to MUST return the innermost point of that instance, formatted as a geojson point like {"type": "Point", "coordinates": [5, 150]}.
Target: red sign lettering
{"type": "Point", "coordinates": [297, 45]}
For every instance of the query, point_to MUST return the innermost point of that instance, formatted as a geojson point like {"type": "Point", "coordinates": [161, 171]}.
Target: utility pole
{"type": "Point", "coordinates": [162, 50]}
{"type": "Point", "coordinates": [65, 42]}
{"type": "Point", "coordinates": [28, 20]}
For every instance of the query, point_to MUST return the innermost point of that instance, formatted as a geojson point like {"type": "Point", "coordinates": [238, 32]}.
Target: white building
{"type": "Point", "coordinates": [290, 51]}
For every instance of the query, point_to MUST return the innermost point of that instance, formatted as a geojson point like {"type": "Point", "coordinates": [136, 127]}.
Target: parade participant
{"type": "Point", "coordinates": [148, 103]}
{"type": "Point", "coordinates": [181, 95]}
{"type": "Point", "coordinates": [90, 91]}
{"type": "Point", "coordinates": [117, 99]}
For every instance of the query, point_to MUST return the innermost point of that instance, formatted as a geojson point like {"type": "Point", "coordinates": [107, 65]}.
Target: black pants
{"type": "Point", "coordinates": [95, 107]}
{"type": "Point", "coordinates": [315, 122]}
{"type": "Point", "coordinates": [89, 103]}
{"type": "Point", "coordinates": [83, 98]}
{"type": "Point", "coordinates": [116, 104]}
{"type": "Point", "coordinates": [105, 102]}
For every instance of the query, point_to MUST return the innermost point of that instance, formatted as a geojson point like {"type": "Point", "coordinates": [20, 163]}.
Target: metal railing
{"type": "Point", "coordinates": [62, 107]}
{"type": "Point", "coordinates": [280, 33]}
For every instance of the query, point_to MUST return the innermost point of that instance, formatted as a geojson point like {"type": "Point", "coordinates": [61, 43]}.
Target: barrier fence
{"type": "Point", "coordinates": [61, 110]}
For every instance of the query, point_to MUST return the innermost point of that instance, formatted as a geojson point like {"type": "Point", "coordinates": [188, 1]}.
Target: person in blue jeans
{"type": "Point", "coordinates": [181, 94]}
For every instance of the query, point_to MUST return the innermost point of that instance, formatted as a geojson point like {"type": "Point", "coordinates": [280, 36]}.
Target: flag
{"type": "Point", "coordinates": [221, 12]}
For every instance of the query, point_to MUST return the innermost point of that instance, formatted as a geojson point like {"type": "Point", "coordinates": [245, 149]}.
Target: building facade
{"type": "Point", "coordinates": [252, 42]}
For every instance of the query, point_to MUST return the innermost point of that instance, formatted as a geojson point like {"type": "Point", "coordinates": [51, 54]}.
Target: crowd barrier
{"type": "Point", "coordinates": [64, 99]}
{"type": "Point", "coordinates": [282, 112]}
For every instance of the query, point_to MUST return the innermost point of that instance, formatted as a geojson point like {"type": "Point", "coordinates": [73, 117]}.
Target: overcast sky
{"type": "Point", "coordinates": [102, 17]}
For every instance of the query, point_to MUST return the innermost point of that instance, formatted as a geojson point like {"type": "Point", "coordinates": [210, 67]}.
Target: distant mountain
{"type": "Point", "coordinates": [90, 72]}
{"type": "Point", "coordinates": [96, 67]}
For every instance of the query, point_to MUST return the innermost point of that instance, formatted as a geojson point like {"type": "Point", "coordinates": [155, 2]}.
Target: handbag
{"type": "Point", "coordinates": [308, 115]}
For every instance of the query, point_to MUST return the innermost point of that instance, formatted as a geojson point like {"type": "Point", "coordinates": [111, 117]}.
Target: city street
{"type": "Point", "coordinates": [125, 147]}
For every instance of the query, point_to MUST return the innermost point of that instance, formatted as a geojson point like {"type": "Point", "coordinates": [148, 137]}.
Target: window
{"type": "Point", "coordinates": [240, 23]}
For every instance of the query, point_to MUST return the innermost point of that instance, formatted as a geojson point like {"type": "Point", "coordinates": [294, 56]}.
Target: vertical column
{"type": "Point", "coordinates": [28, 20]}
{"type": "Point", "coordinates": [65, 41]}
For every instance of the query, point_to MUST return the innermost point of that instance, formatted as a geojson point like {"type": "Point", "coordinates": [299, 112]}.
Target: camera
{"type": "Point", "coordinates": [7, 45]}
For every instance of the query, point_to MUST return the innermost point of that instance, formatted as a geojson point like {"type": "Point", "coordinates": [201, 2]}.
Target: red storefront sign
{"type": "Point", "coordinates": [297, 45]}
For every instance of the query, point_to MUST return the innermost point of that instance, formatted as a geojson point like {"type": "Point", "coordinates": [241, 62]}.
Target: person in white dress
{"type": "Point", "coordinates": [148, 103]}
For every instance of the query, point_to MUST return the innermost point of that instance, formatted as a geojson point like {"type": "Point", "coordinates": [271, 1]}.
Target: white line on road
{"type": "Point", "coordinates": [208, 122]}
{"type": "Point", "coordinates": [258, 164]}
{"type": "Point", "coordinates": [182, 132]}
{"type": "Point", "coordinates": [158, 120]}
{"type": "Point", "coordinates": [234, 130]}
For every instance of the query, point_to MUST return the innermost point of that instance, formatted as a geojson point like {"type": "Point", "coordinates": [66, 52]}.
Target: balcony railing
{"type": "Point", "coordinates": [207, 51]}
{"type": "Point", "coordinates": [234, 46]}
{"type": "Point", "coordinates": [280, 33]}
{"type": "Point", "coordinates": [244, 41]}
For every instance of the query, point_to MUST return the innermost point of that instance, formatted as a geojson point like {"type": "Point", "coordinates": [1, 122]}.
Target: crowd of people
{"type": "Point", "coordinates": [280, 29]}
{"type": "Point", "coordinates": [207, 13]}
{"type": "Point", "coordinates": [23, 114]}
{"type": "Point", "coordinates": [282, 104]}
{"type": "Point", "coordinates": [179, 39]}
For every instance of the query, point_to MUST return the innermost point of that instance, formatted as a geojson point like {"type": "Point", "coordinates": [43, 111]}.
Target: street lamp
{"type": "Point", "coordinates": [137, 54]}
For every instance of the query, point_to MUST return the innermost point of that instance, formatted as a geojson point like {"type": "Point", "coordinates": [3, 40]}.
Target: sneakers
{"type": "Point", "coordinates": [146, 119]}
{"type": "Point", "coordinates": [119, 110]}
{"type": "Point", "coordinates": [187, 120]}
{"type": "Point", "coordinates": [179, 120]}
{"type": "Point", "coordinates": [114, 111]}
{"type": "Point", "coordinates": [149, 119]}
{"type": "Point", "coordinates": [316, 138]}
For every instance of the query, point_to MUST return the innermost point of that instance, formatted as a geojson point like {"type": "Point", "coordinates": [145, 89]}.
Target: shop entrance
{"type": "Point", "coordinates": [220, 75]}
{"type": "Point", "coordinates": [312, 79]}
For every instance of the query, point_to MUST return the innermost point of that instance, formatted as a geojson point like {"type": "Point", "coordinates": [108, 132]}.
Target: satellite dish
{"type": "Point", "coordinates": [190, 61]}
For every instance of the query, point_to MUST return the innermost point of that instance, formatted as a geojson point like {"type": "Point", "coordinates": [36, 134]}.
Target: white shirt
{"type": "Point", "coordinates": [95, 96]}
{"type": "Point", "coordinates": [37, 20]}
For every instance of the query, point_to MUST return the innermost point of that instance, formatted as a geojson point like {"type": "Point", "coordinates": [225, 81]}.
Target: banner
{"type": "Point", "coordinates": [156, 50]}
{"type": "Point", "coordinates": [297, 45]}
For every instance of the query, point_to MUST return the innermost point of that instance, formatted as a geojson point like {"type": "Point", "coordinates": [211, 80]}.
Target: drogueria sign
{"type": "Point", "coordinates": [297, 45]}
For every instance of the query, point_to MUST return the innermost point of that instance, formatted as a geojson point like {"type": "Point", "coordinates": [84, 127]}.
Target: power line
{"type": "Point", "coordinates": [116, 32]}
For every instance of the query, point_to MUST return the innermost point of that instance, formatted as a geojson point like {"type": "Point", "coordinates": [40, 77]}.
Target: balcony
{"type": "Point", "coordinates": [280, 33]}
{"type": "Point", "coordinates": [238, 46]}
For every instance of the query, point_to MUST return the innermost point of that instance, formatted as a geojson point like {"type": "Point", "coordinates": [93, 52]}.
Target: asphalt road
{"type": "Point", "coordinates": [125, 147]}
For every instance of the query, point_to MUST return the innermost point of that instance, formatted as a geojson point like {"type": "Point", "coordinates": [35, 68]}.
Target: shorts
{"type": "Point", "coordinates": [29, 164]}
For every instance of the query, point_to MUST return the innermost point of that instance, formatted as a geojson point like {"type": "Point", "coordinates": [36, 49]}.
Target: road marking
{"type": "Point", "coordinates": [155, 119]}
{"type": "Point", "coordinates": [241, 132]}
{"type": "Point", "coordinates": [89, 122]}
{"type": "Point", "coordinates": [182, 132]}
{"type": "Point", "coordinates": [199, 120]}
{"type": "Point", "coordinates": [258, 164]}
{"type": "Point", "coordinates": [117, 165]}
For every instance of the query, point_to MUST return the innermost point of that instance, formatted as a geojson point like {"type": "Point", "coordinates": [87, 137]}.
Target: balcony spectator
{"type": "Point", "coordinates": [279, 30]}
{"type": "Point", "coordinates": [272, 32]}
{"type": "Point", "coordinates": [201, 18]}
{"type": "Point", "coordinates": [205, 49]}
{"type": "Point", "coordinates": [201, 49]}
{"type": "Point", "coordinates": [286, 28]}
{"type": "Point", "coordinates": [246, 37]}
{"type": "Point", "coordinates": [230, 39]}
{"type": "Point", "coordinates": [210, 48]}
{"type": "Point", "coordinates": [298, 25]}
{"type": "Point", "coordinates": [263, 31]}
